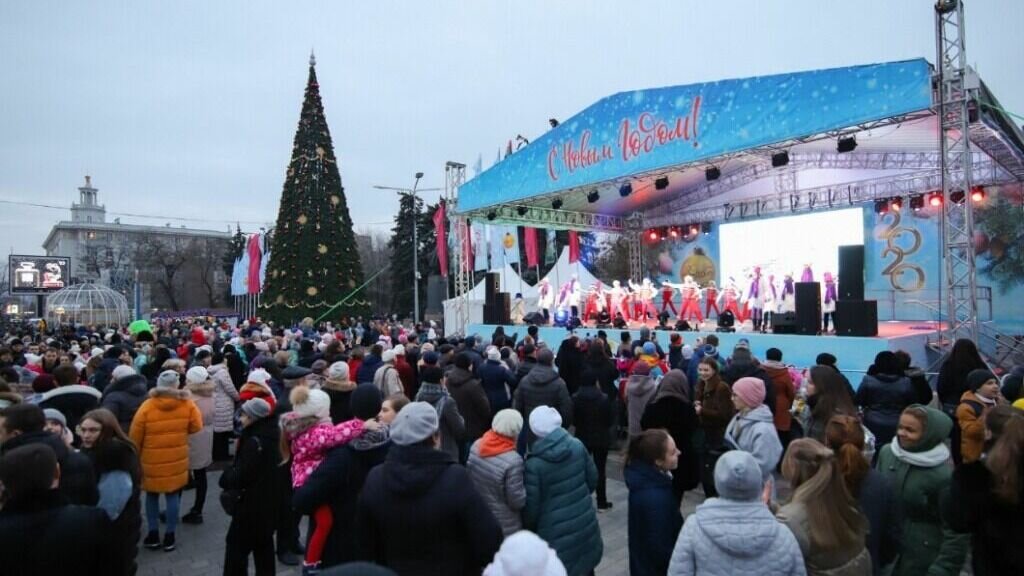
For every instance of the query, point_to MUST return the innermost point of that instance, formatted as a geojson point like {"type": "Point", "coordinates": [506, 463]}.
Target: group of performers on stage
{"type": "Point", "coordinates": [620, 305]}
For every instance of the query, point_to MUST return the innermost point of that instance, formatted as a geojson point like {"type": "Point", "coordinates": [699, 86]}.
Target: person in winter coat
{"type": "Point", "coordinates": [975, 404]}
{"type": "Point", "coordinates": [654, 518]}
{"type": "Point", "coordinates": [543, 387]}
{"type": "Point", "coordinates": [419, 513]}
{"type": "Point", "coordinates": [386, 377]}
{"type": "Point", "coordinates": [251, 481]}
{"type": "Point", "coordinates": [599, 367]}
{"type": "Point", "coordinates": [672, 410]}
{"type": "Point", "coordinates": [339, 388]}
{"type": "Point", "coordinates": [368, 367]}
{"type": "Point", "coordinates": [594, 412]}
{"type": "Point", "coordinates": [471, 400]}
{"type": "Point", "coordinates": [453, 426]}
{"type": "Point", "coordinates": [525, 554]}
{"type": "Point", "coordinates": [707, 350]}
{"type": "Point", "coordinates": [123, 396]}
{"type": "Point", "coordinates": [160, 433]}
{"type": "Point", "coordinates": [883, 394]}
{"type": "Point", "coordinates": [784, 391]}
{"type": "Point", "coordinates": [528, 363]}
{"type": "Point", "coordinates": [744, 365]}
{"type": "Point", "coordinates": [406, 373]}
{"type": "Point", "coordinates": [736, 533]}
{"type": "Point", "coordinates": [826, 395]}
{"type": "Point", "coordinates": [569, 361]}
{"type": "Point", "coordinates": [497, 470]}
{"type": "Point", "coordinates": [497, 380]}
{"type": "Point", "coordinates": [639, 390]}
{"type": "Point", "coordinates": [39, 532]}
{"type": "Point", "coordinates": [952, 383]}
{"type": "Point", "coordinates": [877, 500]}
{"type": "Point", "coordinates": [119, 477]}
{"type": "Point", "coordinates": [715, 410]}
{"type": "Point", "coordinates": [987, 497]}
{"type": "Point", "coordinates": [200, 444]}
{"type": "Point", "coordinates": [24, 424]}
{"type": "Point", "coordinates": [225, 398]}
{"type": "Point", "coordinates": [916, 464]}
{"type": "Point", "coordinates": [822, 514]}
{"type": "Point", "coordinates": [752, 429]}
{"type": "Point", "coordinates": [560, 476]}
{"type": "Point", "coordinates": [257, 385]}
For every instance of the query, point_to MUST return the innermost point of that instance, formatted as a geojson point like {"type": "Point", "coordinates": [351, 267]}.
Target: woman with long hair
{"type": "Point", "coordinates": [877, 500]}
{"type": "Point", "coordinates": [672, 410]}
{"type": "Point", "coordinates": [654, 518]}
{"type": "Point", "coordinates": [118, 472]}
{"type": "Point", "coordinates": [952, 383]}
{"type": "Point", "coordinates": [714, 408]}
{"type": "Point", "coordinates": [826, 395]}
{"type": "Point", "coordinates": [822, 515]}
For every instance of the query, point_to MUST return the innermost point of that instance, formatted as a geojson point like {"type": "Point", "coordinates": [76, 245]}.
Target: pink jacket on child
{"type": "Point", "coordinates": [310, 446]}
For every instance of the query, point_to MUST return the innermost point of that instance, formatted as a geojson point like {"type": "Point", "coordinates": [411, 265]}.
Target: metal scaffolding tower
{"type": "Point", "coordinates": [956, 97]}
{"type": "Point", "coordinates": [455, 176]}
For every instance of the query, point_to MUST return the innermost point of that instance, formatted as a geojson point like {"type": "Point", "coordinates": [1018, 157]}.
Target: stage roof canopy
{"type": "Point", "coordinates": [675, 134]}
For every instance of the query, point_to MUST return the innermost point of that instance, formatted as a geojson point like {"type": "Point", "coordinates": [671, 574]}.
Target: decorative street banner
{"type": "Point", "coordinates": [440, 216]}
{"type": "Point", "coordinates": [644, 130]}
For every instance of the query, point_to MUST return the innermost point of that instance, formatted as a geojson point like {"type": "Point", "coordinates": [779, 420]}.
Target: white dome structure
{"type": "Point", "coordinates": [87, 304]}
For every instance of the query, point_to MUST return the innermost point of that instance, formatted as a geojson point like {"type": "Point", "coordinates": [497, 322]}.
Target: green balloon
{"type": "Point", "coordinates": [139, 326]}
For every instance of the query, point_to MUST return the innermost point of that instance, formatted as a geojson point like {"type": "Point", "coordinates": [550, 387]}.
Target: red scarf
{"type": "Point", "coordinates": [492, 444]}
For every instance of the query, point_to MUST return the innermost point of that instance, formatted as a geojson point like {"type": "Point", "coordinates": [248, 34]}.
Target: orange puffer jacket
{"type": "Point", "coordinates": [160, 432]}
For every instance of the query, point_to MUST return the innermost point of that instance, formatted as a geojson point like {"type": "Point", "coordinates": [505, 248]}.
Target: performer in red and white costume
{"type": "Point", "coordinates": [668, 291]}
{"type": "Point", "coordinates": [710, 299]}
{"type": "Point", "coordinates": [595, 301]}
{"type": "Point", "coordinates": [730, 299]}
{"type": "Point", "coordinates": [691, 299]}
{"type": "Point", "coordinates": [617, 296]}
{"type": "Point", "coordinates": [643, 300]}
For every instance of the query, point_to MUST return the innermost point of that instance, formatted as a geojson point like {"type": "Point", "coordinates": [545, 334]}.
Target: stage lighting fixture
{"type": "Point", "coordinates": [705, 227]}
{"type": "Point", "coordinates": [673, 232]}
{"type": "Point", "coordinates": [712, 173]}
{"type": "Point", "coordinates": [593, 196]}
{"type": "Point", "coordinates": [896, 204]}
{"type": "Point", "coordinates": [661, 183]}
{"type": "Point", "coordinates": [957, 196]}
{"type": "Point", "coordinates": [694, 229]}
{"type": "Point", "coordinates": [492, 215]}
{"type": "Point", "coordinates": [561, 317]}
{"type": "Point", "coordinates": [553, 122]}
{"type": "Point", "coordinates": [625, 190]}
{"type": "Point", "coordinates": [917, 202]}
{"type": "Point", "coordinates": [556, 203]}
{"type": "Point", "coordinates": [881, 206]}
{"type": "Point", "coordinates": [935, 199]}
{"type": "Point", "coordinates": [652, 234]}
{"type": "Point", "coordinates": [780, 159]}
{"type": "Point", "coordinates": [521, 210]}
{"type": "Point", "coordinates": [846, 144]}
{"type": "Point", "coordinates": [977, 194]}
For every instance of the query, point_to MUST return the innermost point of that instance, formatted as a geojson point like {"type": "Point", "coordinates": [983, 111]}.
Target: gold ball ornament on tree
{"type": "Point", "coordinates": [312, 291]}
{"type": "Point", "coordinates": [302, 219]}
{"type": "Point", "coordinates": [335, 200]}
{"type": "Point", "coordinates": [321, 248]}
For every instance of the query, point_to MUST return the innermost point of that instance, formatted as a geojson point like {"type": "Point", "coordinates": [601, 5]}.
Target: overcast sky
{"type": "Point", "coordinates": [188, 108]}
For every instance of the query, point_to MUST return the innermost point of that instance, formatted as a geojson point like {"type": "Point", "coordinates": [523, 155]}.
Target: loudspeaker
{"type": "Point", "coordinates": [784, 323]}
{"type": "Point", "coordinates": [534, 318]}
{"type": "Point", "coordinates": [492, 286]}
{"type": "Point", "coordinates": [856, 318]}
{"type": "Point", "coordinates": [851, 272]}
{"type": "Point", "coordinates": [435, 294]}
{"type": "Point", "coordinates": [808, 307]}
{"type": "Point", "coordinates": [498, 312]}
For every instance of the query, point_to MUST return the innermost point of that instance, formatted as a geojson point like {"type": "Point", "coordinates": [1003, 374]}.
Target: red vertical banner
{"type": "Point", "coordinates": [466, 239]}
{"type": "Point", "coordinates": [530, 243]}
{"type": "Point", "coordinates": [442, 239]}
{"type": "Point", "coordinates": [574, 247]}
{"type": "Point", "coordinates": [255, 255]}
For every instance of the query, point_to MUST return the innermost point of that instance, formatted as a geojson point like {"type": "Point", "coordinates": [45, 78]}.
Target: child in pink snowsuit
{"type": "Point", "coordinates": [307, 435]}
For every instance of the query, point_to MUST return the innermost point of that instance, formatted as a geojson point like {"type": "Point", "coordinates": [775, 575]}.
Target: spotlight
{"type": "Point", "coordinates": [561, 317]}
{"type": "Point", "coordinates": [661, 183]}
{"type": "Point", "coordinates": [705, 227]}
{"type": "Point", "coordinates": [556, 203]}
{"type": "Point", "coordinates": [917, 202]}
{"type": "Point", "coordinates": [652, 234]}
{"type": "Point", "coordinates": [694, 229]}
{"type": "Point", "coordinates": [673, 232]}
{"type": "Point", "coordinates": [846, 144]}
{"type": "Point", "coordinates": [625, 190]}
{"type": "Point", "coordinates": [553, 122]}
{"type": "Point", "coordinates": [492, 215]}
{"type": "Point", "coordinates": [521, 210]}
{"type": "Point", "coordinates": [977, 194]}
{"type": "Point", "coordinates": [780, 159]}
{"type": "Point", "coordinates": [881, 206]}
{"type": "Point", "coordinates": [935, 199]}
{"type": "Point", "coordinates": [712, 173]}
{"type": "Point", "coordinates": [663, 233]}
{"type": "Point", "coordinates": [896, 204]}
{"type": "Point", "coordinates": [593, 196]}
{"type": "Point", "coordinates": [957, 196]}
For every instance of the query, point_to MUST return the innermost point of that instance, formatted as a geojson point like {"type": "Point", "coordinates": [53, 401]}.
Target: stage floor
{"type": "Point", "coordinates": [855, 354]}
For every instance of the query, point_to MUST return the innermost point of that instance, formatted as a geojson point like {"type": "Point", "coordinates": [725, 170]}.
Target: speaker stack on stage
{"type": "Point", "coordinates": [808, 308]}
{"type": "Point", "coordinates": [854, 315]}
{"type": "Point", "coordinates": [497, 304]}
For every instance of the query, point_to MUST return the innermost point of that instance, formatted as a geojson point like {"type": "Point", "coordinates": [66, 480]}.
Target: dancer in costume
{"type": "Point", "coordinates": [755, 297]}
{"type": "Point", "coordinates": [643, 301]}
{"type": "Point", "coordinates": [828, 303]}
{"type": "Point", "coordinates": [545, 299]}
{"type": "Point", "coordinates": [668, 291]}
{"type": "Point", "coordinates": [771, 302]}
{"type": "Point", "coordinates": [691, 298]}
{"type": "Point", "coordinates": [617, 296]}
{"type": "Point", "coordinates": [808, 274]}
{"type": "Point", "coordinates": [730, 298]}
{"type": "Point", "coordinates": [518, 311]}
{"type": "Point", "coordinates": [788, 298]}
{"type": "Point", "coordinates": [595, 302]}
{"type": "Point", "coordinates": [711, 299]}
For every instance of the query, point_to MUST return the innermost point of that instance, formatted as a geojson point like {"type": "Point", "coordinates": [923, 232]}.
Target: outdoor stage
{"type": "Point", "coordinates": [855, 354]}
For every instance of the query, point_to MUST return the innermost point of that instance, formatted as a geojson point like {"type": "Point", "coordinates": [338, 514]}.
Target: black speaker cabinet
{"type": "Point", "coordinates": [856, 318]}
{"type": "Point", "coordinates": [784, 323]}
{"type": "Point", "coordinates": [808, 307]}
{"type": "Point", "coordinates": [492, 285]}
{"type": "Point", "coordinates": [498, 312]}
{"type": "Point", "coordinates": [851, 272]}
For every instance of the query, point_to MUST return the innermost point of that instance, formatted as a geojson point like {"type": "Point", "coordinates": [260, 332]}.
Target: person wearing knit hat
{"type": "Point", "coordinates": [497, 469]}
{"type": "Point", "coordinates": [386, 377]}
{"type": "Point", "coordinates": [752, 429]}
{"type": "Point", "coordinates": [982, 395]}
{"type": "Point", "coordinates": [525, 554]}
{"type": "Point", "coordinates": [196, 375]}
{"type": "Point", "coordinates": [257, 385]}
{"type": "Point", "coordinates": [57, 424]}
{"type": "Point", "coordinates": [754, 543]}
{"type": "Point", "coordinates": [256, 408]}
{"type": "Point", "coordinates": [168, 379]}
{"type": "Point", "coordinates": [121, 371]}
{"type": "Point", "coordinates": [338, 386]}
{"type": "Point", "coordinates": [544, 420]}
{"type": "Point", "coordinates": [200, 444]}
{"type": "Point", "coordinates": [414, 424]}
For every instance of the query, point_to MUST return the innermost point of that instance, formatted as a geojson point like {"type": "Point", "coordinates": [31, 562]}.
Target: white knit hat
{"type": "Point", "coordinates": [338, 371]}
{"type": "Point", "coordinates": [525, 554]}
{"type": "Point", "coordinates": [388, 356]}
{"type": "Point", "coordinates": [493, 353]}
{"type": "Point", "coordinates": [196, 375]}
{"type": "Point", "coordinates": [399, 350]}
{"type": "Point", "coordinates": [508, 423]}
{"type": "Point", "coordinates": [544, 420]}
{"type": "Point", "coordinates": [310, 402]}
{"type": "Point", "coordinates": [259, 376]}
{"type": "Point", "coordinates": [122, 371]}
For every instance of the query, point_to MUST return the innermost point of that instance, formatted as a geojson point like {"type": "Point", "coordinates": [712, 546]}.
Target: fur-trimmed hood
{"type": "Point", "coordinates": [201, 388]}
{"type": "Point", "coordinates": [339, 385]}
{"type": "Point", "coordinates": [169, 394]}
{"type": "Point", "coordinates": [256, 389]}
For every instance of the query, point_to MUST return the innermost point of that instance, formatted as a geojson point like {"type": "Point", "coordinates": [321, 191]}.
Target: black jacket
{"type": "Point", "coordinates": [77, 479]}
{"type": "Point", "coordinates": [469, 396]}
{"type": "Point", "coordinates": [995, 526]}
{"type": "Point", "coordinates": [680, 420]}
{"type": "Point", "coordinates": [46, 536]}
{"type": "Point", "coordinates": [524, 368]}
{"type": "Point", "coordinates": [124, 397]}
{"type": "Point", "coordinates": [72, 401]}
{"type": "Point", "coordinates": [254, 473]}
{"type": "Point", "coordinates": [337, 482]}
{"type": "Point", "coordinates": [543, 387]}
{"type": "Point", "coordinates": [419, 514]}
{"type": "Point", "coordinates": [116, 455]}
{"type": "Point", "coordinates": [594, 414]}
{"type": "Point", "coordinates": [570, 366]}
{"type": "Point", "coordinates": [606, 375]}
{"type": "Point", "coordinates": [499, 384]}
{"type": "Point", "coordinates": [883, 398]}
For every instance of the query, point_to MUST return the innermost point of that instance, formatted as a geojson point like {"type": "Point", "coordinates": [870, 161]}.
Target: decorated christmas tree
{"type": "Point", "coordinates": [314, 261]}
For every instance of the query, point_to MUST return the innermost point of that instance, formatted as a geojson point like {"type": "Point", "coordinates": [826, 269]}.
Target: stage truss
{"type": "Point", "coordinates": [455, 176]}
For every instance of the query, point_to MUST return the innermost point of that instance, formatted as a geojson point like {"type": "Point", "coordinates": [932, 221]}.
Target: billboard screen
{"type": "Point", "coordinates": [38, 274]}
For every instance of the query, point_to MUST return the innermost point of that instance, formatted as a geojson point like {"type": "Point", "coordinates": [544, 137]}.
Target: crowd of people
{"type": "Point", "coordinates": [410, 453]}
